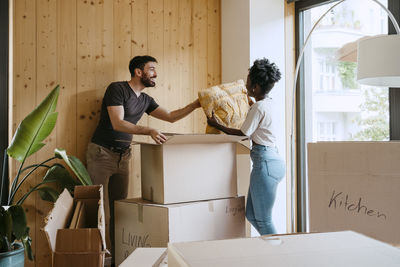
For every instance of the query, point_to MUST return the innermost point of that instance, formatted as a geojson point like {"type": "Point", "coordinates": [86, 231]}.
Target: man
{"type": "Point", "coordinates": [108, 153]}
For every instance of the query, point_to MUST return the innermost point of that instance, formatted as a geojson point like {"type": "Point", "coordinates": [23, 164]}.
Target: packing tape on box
{"type": "Point", "coordinates": [140, 213]}
{"type": "Point", "coordinates": [211, 206]}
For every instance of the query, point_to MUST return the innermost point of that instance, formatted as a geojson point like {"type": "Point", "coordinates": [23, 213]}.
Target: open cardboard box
{"type": "Point", "coordinates": [309, 250]}
{"type": "Point", "coordinates": [355, 186]}
{"type": "Point", "coordinates": [80, 246]}
{"type": "Point", "coordinates": [190, 167]}
{"type": "Point", "coordinates": [140, 223]}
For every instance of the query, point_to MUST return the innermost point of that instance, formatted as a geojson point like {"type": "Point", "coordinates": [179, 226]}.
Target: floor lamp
{"type": "Point", "coordinates": [378, 60]}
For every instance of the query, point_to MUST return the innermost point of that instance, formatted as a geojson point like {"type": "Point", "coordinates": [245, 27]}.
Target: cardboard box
{"type": "Point", "coordinates": [355, 186]}
{"type": "Point", "coordinates": [146, 257]}
{"type": "Point", "coordinates": [189, 168]}
{"type": "Point", "coordinates": [308, 250]}
{"type": "Point", "coordinates": [140, 223]}
{"type": "Point", "coordinates": [78, 247]}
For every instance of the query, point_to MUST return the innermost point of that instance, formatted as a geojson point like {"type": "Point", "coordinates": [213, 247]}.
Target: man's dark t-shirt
{"type": "Point", "coordinates": [121, 94]}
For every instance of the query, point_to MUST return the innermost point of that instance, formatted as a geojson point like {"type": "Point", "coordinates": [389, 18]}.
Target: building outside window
{"type": "Point", "coordinates": [334, 101]}
{"type": "Point", "coordinates": [327, 131]}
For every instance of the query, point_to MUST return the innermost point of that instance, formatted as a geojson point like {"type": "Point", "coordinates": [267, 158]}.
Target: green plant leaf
{"type": "Point", "coordinates": [48, 193]}
{"type": "Point", "coordinates": [19, 221]}
{"type": "Point", "coordinates": [61, 175]}
{"type": "Point", "coordinates": [35, 128]}
{"type": "Point", "coordinates": [76, 166]}
{"type": "Point", "coordinates": [27, 242]}
{"type": "Point", "coordinates": [5, 225]}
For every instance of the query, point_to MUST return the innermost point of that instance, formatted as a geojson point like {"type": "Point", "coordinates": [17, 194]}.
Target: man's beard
{"type": "Point", "coordinates": [147, 82]}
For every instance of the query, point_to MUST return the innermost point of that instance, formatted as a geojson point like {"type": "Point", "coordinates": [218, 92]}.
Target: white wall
{"type": "Point", "coordinates": [253, 29]}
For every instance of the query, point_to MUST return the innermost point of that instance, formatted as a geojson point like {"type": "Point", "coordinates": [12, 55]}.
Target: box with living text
{"type": "Point", "coordinates": [140, 223]}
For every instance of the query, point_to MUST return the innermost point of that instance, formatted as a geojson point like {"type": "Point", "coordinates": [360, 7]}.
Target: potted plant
{"type": "Point", "coordinates": [27, 140]}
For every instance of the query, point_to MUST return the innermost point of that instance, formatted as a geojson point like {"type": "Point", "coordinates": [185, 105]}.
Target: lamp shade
{"type": "Point", "coordinates": [379, 61]}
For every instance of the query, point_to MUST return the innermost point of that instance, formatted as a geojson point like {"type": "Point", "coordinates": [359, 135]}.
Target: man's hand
{"type": "Point", "coordinates": [157, 136]}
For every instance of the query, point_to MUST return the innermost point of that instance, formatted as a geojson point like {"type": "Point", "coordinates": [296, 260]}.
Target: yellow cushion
{"type": "Point", "coordinates": [228, 102]}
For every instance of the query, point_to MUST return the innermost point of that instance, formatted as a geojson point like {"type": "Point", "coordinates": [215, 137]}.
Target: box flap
{"type": "Point", "coordinates": [58, 217]}
{"type": "Point", "coordinates": [323, 249]}
{"type": "Point", "coordinates": [145, 257]}
{"type": "Point", "coordinates": [200, 139]}
{"type": "Point", "coordinates": [101, 218]}
{"type": "Point", "coordinates": [87, 192]}
{"type": "Point", "coordinates": [143, 202]}
{"type": "Point", "coordinates": [204, 139]}
{"type": "Point", "coordinates": [243, 147]}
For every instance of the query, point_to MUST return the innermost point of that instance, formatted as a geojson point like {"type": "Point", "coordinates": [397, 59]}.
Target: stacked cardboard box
{"type": "Point", "coordinates": [190, 189]}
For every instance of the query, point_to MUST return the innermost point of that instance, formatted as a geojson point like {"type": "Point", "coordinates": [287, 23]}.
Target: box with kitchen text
{"type": "Point", "coordinates": [355, 186]}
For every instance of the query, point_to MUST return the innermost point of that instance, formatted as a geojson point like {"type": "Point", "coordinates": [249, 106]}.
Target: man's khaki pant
{"type": "Point", "coordinates": [111, 170]}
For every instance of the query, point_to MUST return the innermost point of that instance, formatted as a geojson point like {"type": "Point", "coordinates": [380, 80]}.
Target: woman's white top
{"type": "Point", "coordinates": [258, 123]}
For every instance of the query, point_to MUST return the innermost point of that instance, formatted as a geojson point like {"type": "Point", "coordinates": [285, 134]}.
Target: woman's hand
{"type": "Point", "coordinates": [212, 121]}
{"type": "Point", "coordinates": [196, 104]}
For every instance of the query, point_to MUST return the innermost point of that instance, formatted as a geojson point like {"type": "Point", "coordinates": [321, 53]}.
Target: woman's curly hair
{"type": "Point", "coordinates": [265, 74]}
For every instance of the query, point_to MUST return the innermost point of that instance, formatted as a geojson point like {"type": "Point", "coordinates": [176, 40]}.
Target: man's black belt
{"type": "Point", "coordinates": [116, 149]}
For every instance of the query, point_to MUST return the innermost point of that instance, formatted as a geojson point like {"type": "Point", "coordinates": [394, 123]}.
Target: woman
{"type": "Point", "coordinates": [268, 167]}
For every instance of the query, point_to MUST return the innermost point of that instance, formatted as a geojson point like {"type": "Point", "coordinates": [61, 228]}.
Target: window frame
{"type": "Point", "coordinates": [394, 106]}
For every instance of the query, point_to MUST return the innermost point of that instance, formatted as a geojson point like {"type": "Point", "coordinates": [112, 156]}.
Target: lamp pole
{"type": "Point", "coordinates": [298, 63]}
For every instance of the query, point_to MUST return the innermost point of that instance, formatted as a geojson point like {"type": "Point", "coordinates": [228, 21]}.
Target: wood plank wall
{"type": "Point", "coordinates": [84, 45]}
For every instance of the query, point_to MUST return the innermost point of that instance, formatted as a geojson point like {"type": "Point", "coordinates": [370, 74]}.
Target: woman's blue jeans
{"type": "Point", "coordinates": [268, 170]}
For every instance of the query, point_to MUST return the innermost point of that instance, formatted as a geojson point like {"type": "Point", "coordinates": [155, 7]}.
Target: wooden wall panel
{"type": "Point", "coordinates": [214, 42]}
{"type": "Point", "coordinates": [200, 46]}
{"type": "Point", "coordinates": [122, 39]}
{"type": "Point", "coordinates": [87, 31]}
{"type": "Point", "coordinates": [155, 38]}
{"type": "Point", "coordinates": [67, 75]}
{"type": "Point", "coordinates": [24, 94]}
{"type": "Point", "coordinates": [46, 50]}
{"type": "Point", "coordinates": [139, 46]}
{"type": "Point", "coordinates": [84, 45]}
{"type": "Point", "coordinates": [170, 90]}
{"type": "Point", "coordinates": [184, 91]}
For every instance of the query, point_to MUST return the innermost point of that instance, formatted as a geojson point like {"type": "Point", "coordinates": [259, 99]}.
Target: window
{"type": "Point", "coordinates": [331, 105]}
{"type": "Point", "coordinates": [326, 131]}
{"type": "Point", "coordinates": [327, 75]}
{"type": "Point", "coordinates": [334, 93]}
